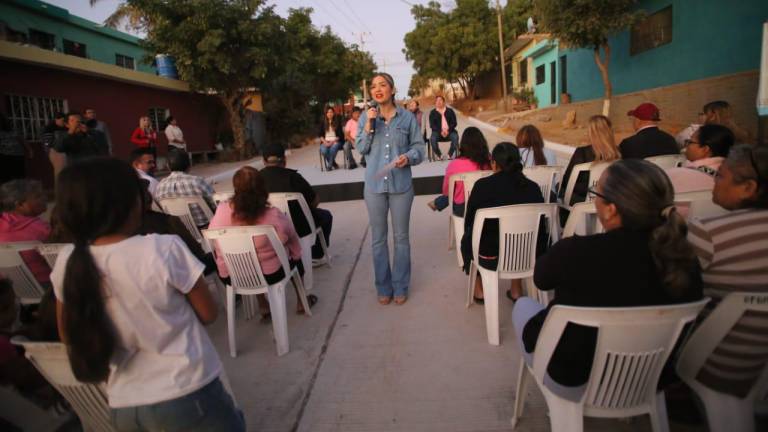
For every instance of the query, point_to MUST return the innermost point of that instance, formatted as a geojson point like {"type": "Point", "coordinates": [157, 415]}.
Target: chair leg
{"type": "Point", "coordinates": [521, 393]}
{"type": "Point", "coordinates": [276, 296]}
{"type": "Point", "coordinates": [458, 230]}
{"type": "Point", "coordinates": [451, 235]}
{"type": "Point", "coordinates": [491, 295]}
{"type": "Point", "coordinates": [231, 320]}
{"type": "Point", "coordinates": [306, 261]}
{"type": "Point", "coordinates": [659, 419]}
{"type": "Point", "coordinates": [299, 285]}
{"type": "Point", "coordinates": [726, 413]}
{"type": "Point", "coordinates": [471, 284]}
{"type": "Point", "coordinates": [564, 415]}
{"type": "Point", "coordinates": [324, 245]}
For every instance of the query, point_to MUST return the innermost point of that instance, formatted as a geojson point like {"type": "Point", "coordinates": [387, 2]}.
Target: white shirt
{"type": "Point", "coordinates": [526, 156]}
{"type": "Point", "coordinates": [152, 181]}
{"type": "Point", "coordinates": [162, 350]}
{"type": "Point", "coordinates": [174, 133]}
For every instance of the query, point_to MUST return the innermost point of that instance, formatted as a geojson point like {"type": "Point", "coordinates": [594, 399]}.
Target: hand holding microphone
{"type": "Point", "coordinates": [372, 113]}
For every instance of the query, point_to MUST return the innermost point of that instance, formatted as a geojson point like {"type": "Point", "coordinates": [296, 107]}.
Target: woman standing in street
{"type": "Point", "coordinates": [390, 139]}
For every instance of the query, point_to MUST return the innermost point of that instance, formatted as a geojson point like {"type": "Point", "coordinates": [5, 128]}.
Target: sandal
{"type": "Point", "coordinates": [400, 300]}
{"type": "Point", "coordinates": [509, 296]}
{"type": "Point", "coordinates": [432, 206]}
{"type": "Point", "coordinates": [384, 300]}
{"type": "Point", "coordinates": [311, 300]}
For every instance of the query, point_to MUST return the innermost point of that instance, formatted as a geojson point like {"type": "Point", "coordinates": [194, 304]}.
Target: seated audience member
{"type": "Point", "coordinates": [532, 150]}
{"type": "Point", "coordinates": [23, 201]}
{"type": "Point", "coordinates": [128, 322]}
{"type": "Point", "coordinates": [602, 148]}
{"type": "Point", "coordinates": [473, 156]}
{"type": "Point", "coordinates": [705, 151]}
{"type": "Point", "coordinates": [153, 222]}
{"type": "Point", "coordinates": [686, 134]}
{"type": "Point", "coordinates": [642, 259]}
{"type": "Point", "coordinates": [180, 184]}
{"type": "Point", "coordinates": [733, 253]}
{"type": "Point", "coordinates": [648, 139]}
{"type": "Point", "coordinates": [247, 207]}
{"type": "Point", "coordinates": [331, 135]}
{"type": "Point", "coordinates": [506, 186]}
{"type": "Point", "coordinates": [719, 112]}
{"type": "Point", "coordinates": [278, 178]}
{"type": "Point", "coordinates": [442, 122]}
{"type": "Point", "coordinates": [143, 161]}
{"type": "Point", "coordinates": [350, 132]}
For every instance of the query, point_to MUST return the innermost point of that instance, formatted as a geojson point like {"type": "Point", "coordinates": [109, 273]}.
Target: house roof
{"type": "Point", "coordinates": [522, 42]}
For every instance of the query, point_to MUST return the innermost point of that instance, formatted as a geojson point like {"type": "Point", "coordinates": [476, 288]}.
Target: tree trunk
{"type": "Point", "coordinates": [602, 65]}
{"type": "Point", "coordinates": [463, 86]}
{"type": "Point", "coordinates": [232, 104]}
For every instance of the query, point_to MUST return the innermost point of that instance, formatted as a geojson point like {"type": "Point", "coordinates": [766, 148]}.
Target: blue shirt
{"type": "Point", "coordinates": [401, 136]}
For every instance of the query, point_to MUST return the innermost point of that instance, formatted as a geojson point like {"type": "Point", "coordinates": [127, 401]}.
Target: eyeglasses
{"type": "Point", "coordinates": [690, 141]}
{"type": "Point", "coordinates": [598, 194]}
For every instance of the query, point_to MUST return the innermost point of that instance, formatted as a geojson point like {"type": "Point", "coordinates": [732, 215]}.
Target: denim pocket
{"type": "Point", "coordinates": [182, 414]}
{"type": "Point", "coordinates": [402, 139]}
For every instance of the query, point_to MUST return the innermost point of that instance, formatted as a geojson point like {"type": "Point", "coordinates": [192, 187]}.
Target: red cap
{"type": "Point", "coordinates": [645, 111]}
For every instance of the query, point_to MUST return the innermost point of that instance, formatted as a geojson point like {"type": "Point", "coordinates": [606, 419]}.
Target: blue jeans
{"type": "Point", "coordinates": [453, 137]}
{"type": "Point", "coordinates": [395, 281]}
{"type": "Point", "coordinates": [207, 409]}
{"type": "Point", "coordinates": [329, 153]}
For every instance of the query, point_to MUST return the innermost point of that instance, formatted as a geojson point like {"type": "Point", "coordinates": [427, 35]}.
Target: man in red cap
{"type": "Point", "coordinates": [648, 139]}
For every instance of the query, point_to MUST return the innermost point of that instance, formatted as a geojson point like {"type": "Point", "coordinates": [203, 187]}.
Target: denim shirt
{"type": "Point", "coordinates": [401, 136]}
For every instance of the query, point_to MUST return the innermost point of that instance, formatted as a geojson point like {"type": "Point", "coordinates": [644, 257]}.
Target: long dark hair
{"type": "Point", "coordinates": [250, 199]}
{"type": "Point", "coordinates": [507, 157]}
{"type": "Point", "coordinates": [529, 137]}
{"type": "Point", "coordinates": [334, 122]}
{"type": "Point", "coordinates": [94, 198]}
{"type": "Point", "coordinates": [474, 147]}
{"type": "Point", "coordinates": [644, 197]}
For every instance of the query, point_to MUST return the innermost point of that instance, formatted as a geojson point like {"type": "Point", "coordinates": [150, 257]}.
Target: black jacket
{"type": "Point", "coordinates": [337, 128]}
{"type": "Point", "coordinates": [614, 269]}
{"type": "Point", "coordinates": [280, 179]}
{"type": "Point", "coordinates": [648, 142]}
{"type": "Point", "coordinates": [436, 121]}
{"type": "Point", "coordinates": [580, 155]}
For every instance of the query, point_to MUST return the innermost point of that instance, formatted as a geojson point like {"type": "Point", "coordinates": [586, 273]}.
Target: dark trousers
{"type": "Point", "coordinates": [323, 219]}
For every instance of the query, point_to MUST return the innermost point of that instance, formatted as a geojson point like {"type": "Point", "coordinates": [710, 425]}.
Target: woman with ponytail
{"type": "Point", "coordinates": [642, 259]}
{"type": "Point", "coordinates": [532, 150]}
{"type": "Point", "coordinates": [507, 186]}
{"type": "Point", "coordinates": [131, 308]}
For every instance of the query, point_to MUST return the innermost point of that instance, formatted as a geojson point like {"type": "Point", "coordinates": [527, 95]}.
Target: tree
{"type": "Point", "coordinates": [418, 83]}
{"type": "Point", "coordinates": [588, 24]}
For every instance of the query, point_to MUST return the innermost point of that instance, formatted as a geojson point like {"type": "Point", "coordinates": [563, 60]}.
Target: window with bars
{"type": "Point", "coordinates": [124, 61]}
{"type": "Point", "coordinates": [540, 75]}
{"type": "Point", "coordinates": [157, 118]}
{"type": "Point", "coordinates": [30, 114]}
{"type": "Point", "coordinates": [652, 32]}
{"type": "Point", "coordinates": [74, 48]}
{"type": "Point", "coordinates": [42, 39]}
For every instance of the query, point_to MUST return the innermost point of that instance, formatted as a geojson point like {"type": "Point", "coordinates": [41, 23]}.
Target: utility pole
{"type": "Point", "coordinates": [365, 84]}
{"type": "Point", "coordinates": [501, 56]}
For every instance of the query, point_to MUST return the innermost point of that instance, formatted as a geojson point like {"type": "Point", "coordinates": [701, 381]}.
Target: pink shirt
{"type": "Point", "coordinates": [351, 128]}
{"type": "Point", "coordinates": [695, 176]}
{"type": "Point", "coordinates": [458, 165]}
{"type": "Point", "coordinates": [443, 121]}
{"type": "Point", "coordinates": [268, 259]}
{"type": "Point", "coordinates": [17, 228]}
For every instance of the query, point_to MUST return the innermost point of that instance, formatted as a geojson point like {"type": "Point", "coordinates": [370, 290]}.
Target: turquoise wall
{"type": "Point", "coordinates": [709, 38]}
{"type": "Point", "coordinates": [544, 56]}
{"type": "Point", "coordinates": [101, 43]}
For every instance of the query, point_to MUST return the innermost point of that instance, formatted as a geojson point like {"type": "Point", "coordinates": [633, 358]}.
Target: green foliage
{"type": "Point", "coordinates": [515, 19]}
{"type": "Point", "coordinates": [585, 23]}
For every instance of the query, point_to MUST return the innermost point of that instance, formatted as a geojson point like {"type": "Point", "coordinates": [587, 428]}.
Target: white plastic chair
{"type": "Point", "coordinates": [239, 253]}
{"type": "Point", "coordinates": [726, 412]}
{"type": "Point", "coordinates": [633, 345]}
{"type": "Point", "coordinates": [218, 197]}
{"type": "Point", "coordinates": [50, 251]}
{"type": "Point", "coordinates": [456, 223]}
{"type": "Point", "coordinates": [280, 200]}
{"type": "Point", "coordinates": [582, 220]}
{"type": "Point", "coordinates": [12, 266]}
{"type": "Point", "coordinates": [88, 400]}
{"type": "Point", "coordinates": [667, 161]}
{"type": "Point", "coordinates": [595, 171]}
{"type": "Point", "coordinates": [697, 204]}
{"type": "Point", "coordinates": [545, 176]}
{"type": "Point", "coordinates": [181, 207]}
{"type": "Point", "coordinates": [518, 235]}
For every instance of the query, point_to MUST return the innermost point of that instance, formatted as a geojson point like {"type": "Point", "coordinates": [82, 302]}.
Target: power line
{"type": "Point", "coordinates": [325, 11]}
{"type": "Point", "coordinates": [343, 13]}
{"type": "Point", "coordinates": [351, 9]}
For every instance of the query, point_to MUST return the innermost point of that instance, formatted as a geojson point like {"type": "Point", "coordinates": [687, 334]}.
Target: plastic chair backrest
{"type": "Point", "coordinates": [181, 207]}
{"type": "Point", "coordinates": [280, 200]}
{"type": "Point", "coordinates": [518, 235]}
{"type": "Point", "coordinates": [218, 197]}
{"type": "Point", "coordinates": [666, 161]}
{"type": "Point", "coordinates": [12, 266]}
{"type": "Point", "coordinates": [544, 176]}
{"type": "Point", "coordinates": [236, 245]}
{"type": "Point", "coordinates": [88, 400]}
{"type": "Point", "coordinates": [633, 345]}
{"type": "Point", "coordinates": [468, 179]}
{"type": "Point", "coordinates": [595, 171]}
{"type": "Point", "coordinates": [577, 170]}
{"type": "Point", "coordinates": [50, 251]}
{"type": "Point", "coordinates": [697, 204]}
{"type": "Point", "coordinates": [582, 220]}
{"type": "Point", "coordinates": [710, 341]}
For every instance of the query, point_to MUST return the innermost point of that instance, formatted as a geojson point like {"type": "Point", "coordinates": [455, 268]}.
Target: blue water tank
{"type": "Point", "coordinates": [166, 66]}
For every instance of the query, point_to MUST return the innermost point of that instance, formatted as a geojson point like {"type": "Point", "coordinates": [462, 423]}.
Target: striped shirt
{"type": "Point", "coordinates": [180, 185]}
{"type": "Point", "coordinates": [733, 252]}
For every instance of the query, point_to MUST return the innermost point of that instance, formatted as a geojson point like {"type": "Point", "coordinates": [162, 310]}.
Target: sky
{"type": "Point", "coordinates": [382, 24]}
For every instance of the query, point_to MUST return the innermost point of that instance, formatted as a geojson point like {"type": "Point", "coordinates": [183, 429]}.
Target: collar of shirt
{"type": "Point", "coordinates": [646, 127]}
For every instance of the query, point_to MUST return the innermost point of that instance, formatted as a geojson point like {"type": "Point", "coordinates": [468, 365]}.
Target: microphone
{"type": "Point", "coordinates": [372, 121]}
